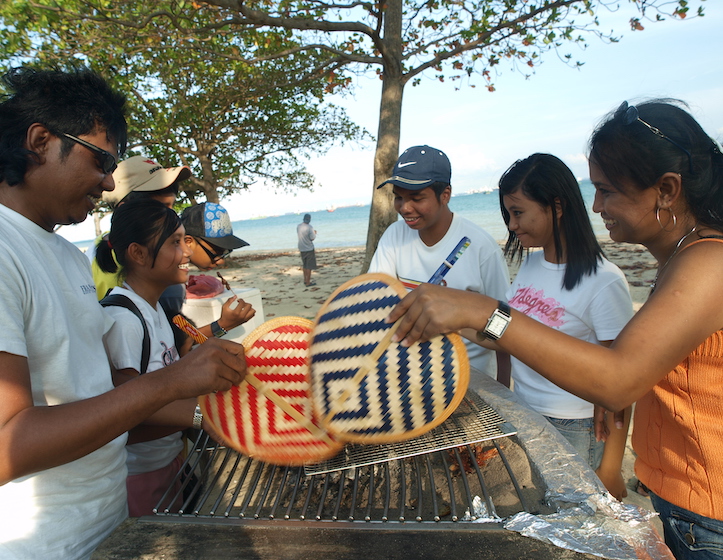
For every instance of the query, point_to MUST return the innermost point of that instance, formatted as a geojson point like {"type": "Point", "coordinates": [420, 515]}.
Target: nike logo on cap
{"type": "Point", "coordinates": [405, 164]}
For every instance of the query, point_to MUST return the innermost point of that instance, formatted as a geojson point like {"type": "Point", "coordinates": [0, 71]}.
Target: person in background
{"type": "Point", "coordinates": [429, 234]}
{"type": "Point", "coordinates": [306, 235]}
{"type": "Point", "coordinates": [62, 423]}
{"type": "Point", "coordinates": [137, 177]}
{"type": "Point", "coordinates": [658, 181]}
{"type": "Point", "coordinates": [210, 238]}
{"type": "Point", "coordinates": [568, 286]}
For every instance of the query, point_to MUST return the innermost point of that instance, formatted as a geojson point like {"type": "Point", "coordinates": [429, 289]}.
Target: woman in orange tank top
{"type": "Point", "coordinates": [659, 182]}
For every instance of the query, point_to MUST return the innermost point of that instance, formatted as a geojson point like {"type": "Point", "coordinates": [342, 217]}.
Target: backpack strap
{"type": "Point", "coordinates": [119, 300]}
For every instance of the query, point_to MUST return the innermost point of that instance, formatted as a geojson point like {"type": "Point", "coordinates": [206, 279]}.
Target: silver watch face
{"type": "Point", "coordinates": [497, 325]}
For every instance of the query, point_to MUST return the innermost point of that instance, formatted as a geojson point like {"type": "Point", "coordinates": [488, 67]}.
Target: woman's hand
{"type": "Point", "coordinates": [430, 310]}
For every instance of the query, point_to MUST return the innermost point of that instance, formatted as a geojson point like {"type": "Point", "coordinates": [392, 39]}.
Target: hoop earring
{"type": "Point", "coordinates": [673, 219]}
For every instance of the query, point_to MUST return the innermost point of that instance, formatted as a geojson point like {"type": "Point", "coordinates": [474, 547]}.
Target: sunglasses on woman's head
{"type": "Point", "coordinates": [106, 160]}
{"type": "Point", "coordinates": [629, 114]}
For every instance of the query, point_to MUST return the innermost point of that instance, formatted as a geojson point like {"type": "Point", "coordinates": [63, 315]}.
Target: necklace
{"type": "Point", "coordinates": [675, 251]}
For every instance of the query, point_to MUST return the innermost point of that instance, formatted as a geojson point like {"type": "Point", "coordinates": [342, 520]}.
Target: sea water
{"type": "Point", "coordinates": [347, 226]}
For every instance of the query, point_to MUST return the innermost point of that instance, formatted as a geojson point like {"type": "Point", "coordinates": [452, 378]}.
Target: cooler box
{"type": "Point", "coordinates": [206, 310]}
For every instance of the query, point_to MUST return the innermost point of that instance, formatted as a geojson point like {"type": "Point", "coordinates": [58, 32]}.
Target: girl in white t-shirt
{"type": "Point", "coordinates": [147, 239]}
{"type": "Point", "coordinates": [567, 285]}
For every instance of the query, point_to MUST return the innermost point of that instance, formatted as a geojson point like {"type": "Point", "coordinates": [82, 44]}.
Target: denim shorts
{"type": "Point", "coordinates": [688, 535]}
{"type": "Point", "coordinates": [580, 432]}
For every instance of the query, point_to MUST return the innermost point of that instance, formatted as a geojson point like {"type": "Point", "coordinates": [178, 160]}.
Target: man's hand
{"type": "Point", "coordinates": [215, 365]}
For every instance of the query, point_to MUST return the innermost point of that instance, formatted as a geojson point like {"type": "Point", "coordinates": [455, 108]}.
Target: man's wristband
{"type": "Point", "coordinates": [197, 417]}
{"type": "Point", "coordinates": [217, 330]}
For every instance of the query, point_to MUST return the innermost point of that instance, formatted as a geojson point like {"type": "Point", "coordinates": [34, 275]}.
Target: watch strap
{"type": "Point", "coordinates": [197, 417]}
{"type": "Point", "coordinates": [217, 330]}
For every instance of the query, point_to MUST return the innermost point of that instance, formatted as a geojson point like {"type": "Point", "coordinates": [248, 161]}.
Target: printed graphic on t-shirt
{"type": "Point", "coordinates": [170, 355]}
{"type": "Point", "coordinates": [411, 284]}
{"type": "Point", "coordinates": [533, 303]}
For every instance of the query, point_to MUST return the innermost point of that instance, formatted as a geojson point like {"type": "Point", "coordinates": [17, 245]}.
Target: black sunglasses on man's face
{"type": "Point", "coordinates": [106, 160]}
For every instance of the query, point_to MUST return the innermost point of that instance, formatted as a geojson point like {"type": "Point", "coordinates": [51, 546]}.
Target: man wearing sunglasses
{"type": "Point", "coordinates": [63, 423]}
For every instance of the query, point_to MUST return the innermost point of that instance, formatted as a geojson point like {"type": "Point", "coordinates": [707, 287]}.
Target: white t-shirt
{"type": "Point", "coordinates": [596, 309]}
{"type": "Point", "coordinates": [481, 268]}
{"type": "Point", "coordinates": [124, 344]}
{"type": "Point", "coordinates": [51, 316]}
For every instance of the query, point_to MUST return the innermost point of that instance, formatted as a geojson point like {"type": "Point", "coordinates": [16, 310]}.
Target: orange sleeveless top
{"type": "Point", "coordinates": [678, 431]}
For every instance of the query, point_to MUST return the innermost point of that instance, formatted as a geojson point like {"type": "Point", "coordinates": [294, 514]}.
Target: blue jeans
{"type": "Point", "coordinates": [688, 535]}
{"type": "Point", "coordinates": [580, 432]}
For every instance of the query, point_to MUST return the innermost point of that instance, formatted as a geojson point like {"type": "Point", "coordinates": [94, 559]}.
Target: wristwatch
{"type": "Point", "coordinates": [497, 323]}
{"type": "Point", "coordinates": [217, 330]}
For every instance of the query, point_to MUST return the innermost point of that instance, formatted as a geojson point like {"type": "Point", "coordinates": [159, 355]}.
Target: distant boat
{"type": "Point", "coordinates": [331, 208]}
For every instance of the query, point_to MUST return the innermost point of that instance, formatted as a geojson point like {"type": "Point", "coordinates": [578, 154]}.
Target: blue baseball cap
{"type": "Point", "coordinates": [211, 222]}
{"type": "Point", "coordinates": [420, 166]}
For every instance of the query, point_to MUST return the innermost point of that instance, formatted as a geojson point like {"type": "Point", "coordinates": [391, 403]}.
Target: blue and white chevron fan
{"type": "Point", "coordinates": [368, 389]}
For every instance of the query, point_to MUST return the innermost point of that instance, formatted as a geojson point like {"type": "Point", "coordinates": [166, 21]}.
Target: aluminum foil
{"type": "Point", "coordinates": [588, 518]}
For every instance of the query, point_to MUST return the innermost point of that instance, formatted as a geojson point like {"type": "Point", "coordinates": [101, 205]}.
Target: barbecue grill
{"type": "Point", "coordinates": [393, 501]}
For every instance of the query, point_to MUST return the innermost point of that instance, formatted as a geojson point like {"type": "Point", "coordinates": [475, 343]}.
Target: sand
{"type": "Point", "coordinates": [278, 276]}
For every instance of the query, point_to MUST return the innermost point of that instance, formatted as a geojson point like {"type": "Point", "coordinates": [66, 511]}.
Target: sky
{"type": "Point", "coordinates": [483, 133]}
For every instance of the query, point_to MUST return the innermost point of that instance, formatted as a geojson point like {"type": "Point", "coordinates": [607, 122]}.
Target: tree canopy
{"type": "Point", "coordinates": [224, 103]}
{"type": "Point", "coordinates": [461, 40]}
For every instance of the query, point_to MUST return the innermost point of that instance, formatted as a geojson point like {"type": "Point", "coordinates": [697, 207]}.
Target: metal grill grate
{"type": "Point", "coordinates": [474, 421]}
{"type": "Point", "coordinates": [431, 487]}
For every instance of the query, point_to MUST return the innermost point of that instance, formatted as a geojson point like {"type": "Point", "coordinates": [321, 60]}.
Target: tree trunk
{"type": "Point", "coordinates": [382, 212]}
{"type": "Point", "coordinates": [208, 180]}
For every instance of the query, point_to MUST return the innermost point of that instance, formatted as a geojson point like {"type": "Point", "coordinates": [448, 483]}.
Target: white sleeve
{"type": "Point", "coordinates": [384, 258]}
{"type": "Point", "coordinates": [12, 296]}
{"type": "Point", "coordinates": [611, 309]}
{"type": "Point", "coordinates": [124, 340]}
{"type": "Point", "coordinates": [495, 275]}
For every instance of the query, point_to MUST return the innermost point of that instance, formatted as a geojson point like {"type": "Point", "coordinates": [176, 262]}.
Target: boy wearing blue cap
{"type": "Point", "coordinates": [430, 235]}
{"type": "Point", "coordinates": [210, 237]}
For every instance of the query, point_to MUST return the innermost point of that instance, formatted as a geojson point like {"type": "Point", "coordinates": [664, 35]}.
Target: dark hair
{"type": "Point", "coordinates": [146, 222]}
{"type": "Point", "coordinates": [76, 102]}
{"type": "Point", "coordinates": [438, 188]}
{"type": "Point", "coordinates": [633, 152]}
{"type": "Point", "coordinates": [548, 181]}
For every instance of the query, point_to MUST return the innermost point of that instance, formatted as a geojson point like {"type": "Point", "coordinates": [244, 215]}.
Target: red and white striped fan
{"type": "Point", "coordinates": [269, 415]}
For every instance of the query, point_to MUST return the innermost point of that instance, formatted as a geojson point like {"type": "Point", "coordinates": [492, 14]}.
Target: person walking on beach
{"type": "Point", "coordinates": [62, 423]}
{"type": "Point", "coordinates": [306, 235]}
{"type": "Point", "coordinates": [569, 286]}
{"type": "Point", "coordinates": [414, 248]}
{"type": "Point", "coordinates": [658, 181]}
